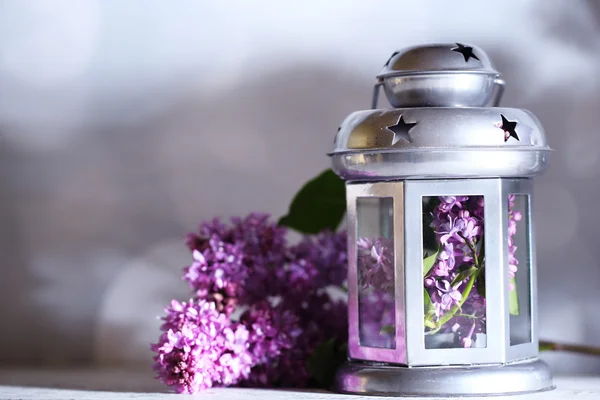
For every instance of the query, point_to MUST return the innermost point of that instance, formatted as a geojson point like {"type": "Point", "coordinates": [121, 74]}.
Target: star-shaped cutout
{"type": "Point", "coordinates": [466, 51]}
{"type": "Point", "coordinates": [509, 128]}
{"type": "Point", "coordinates": [390, 59]}
{"type": "Point", "coordinates": [401, 130]}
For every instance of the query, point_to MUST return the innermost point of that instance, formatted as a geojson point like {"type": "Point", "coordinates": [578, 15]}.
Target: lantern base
{"type": "Point", "coordinates": [387, 380]}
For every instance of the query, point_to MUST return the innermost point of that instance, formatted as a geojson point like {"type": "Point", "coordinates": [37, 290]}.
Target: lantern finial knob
{"type": "Point", "coordinates": [440, 75]}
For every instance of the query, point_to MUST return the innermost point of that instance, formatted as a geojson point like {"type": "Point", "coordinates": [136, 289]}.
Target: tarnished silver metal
{"type": "Point", "coordinates": [383, 380]}
{"type": "Point", "coordinates": [446, 139]}
{"type": "Point", "coordinates": [446, 142]}
{"type": "Point", "coordinates": [439, 75]}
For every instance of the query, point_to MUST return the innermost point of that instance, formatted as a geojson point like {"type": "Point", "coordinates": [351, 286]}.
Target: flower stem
{"type": "Point", "coordinates": [573, 348]}
{"type": "Point", "coordinates": [466, 316]}
{"type": "Point", "coordinates": [474, 252]}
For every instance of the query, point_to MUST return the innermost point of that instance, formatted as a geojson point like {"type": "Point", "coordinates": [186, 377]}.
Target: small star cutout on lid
{"type": "Point", "coordinates": [401, 130]}
{"type": "Point", "coordinates": [509, 128]}
{"type": "Point", "coordinates": [387, 63]}
{"type": "Point", "coordinates": [466, 51]}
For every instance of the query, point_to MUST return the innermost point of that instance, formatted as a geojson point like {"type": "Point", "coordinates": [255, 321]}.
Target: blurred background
{"type": "Point", "coordinates": [124, 124]}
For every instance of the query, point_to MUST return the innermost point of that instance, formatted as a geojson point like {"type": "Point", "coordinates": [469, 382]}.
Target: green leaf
{"type": "Point", "coordinates": [429, 261]}
{"type": "Point", "coordinates": [461, 276]}
{"type": "Point", "coordinates": [427, 301]}
{"type": "Point", "coordinates": [429, 323]}
{"type": "Point", "coordinates": [513, 299]}
{"type": "Point", "coordinates": [429, 309]}
{"type": "Point", "coordinates": [429, 241]}
{"type": "Point", "coordinates": [325, 360]}
{"type": "Point", "coordinates": [481, 251]}
{"type": "Point", "coordinates": [388, 330]}
{"type": "Point", "coordinates": [319, 205]}
{"type": "Point", "coordinates": [481, 283]}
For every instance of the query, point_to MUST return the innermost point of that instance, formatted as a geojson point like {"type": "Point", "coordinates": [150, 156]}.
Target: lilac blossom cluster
{"type": "Point", "coordinates": [236, 262]}
{"type": "Point", "coordinates": [200, 346]}
{"type": "Point", "coordinates": [456, 305]}
{"type": "Point", "coordinates": [279, 291]}
{"type": "Point", "coordinates": [375, 261]}
{"type": "Point", "coordinates": [375, 257]}
{"type": "Point", "coordinates": [458, 225]}
{"type": "Point", "coordinates": [377, 319]}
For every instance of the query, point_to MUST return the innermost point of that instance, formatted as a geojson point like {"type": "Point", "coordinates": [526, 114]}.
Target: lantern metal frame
{"type": "Point", "coordinates": [530, 349]}
{"type": "Point", "coordinates": [408, 258]}
{"type": "Point", "coordinates": [496, 272]}
{"type": "Point", "coordinates": [408, 366]}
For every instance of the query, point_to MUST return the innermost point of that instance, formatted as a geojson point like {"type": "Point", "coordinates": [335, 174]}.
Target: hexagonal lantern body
{"type": "Point", "coordinates": [442, 280]}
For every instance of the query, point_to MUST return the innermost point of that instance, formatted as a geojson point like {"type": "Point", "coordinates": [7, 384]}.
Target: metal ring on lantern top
{"type": "Point", "coordinates": [440, 75]}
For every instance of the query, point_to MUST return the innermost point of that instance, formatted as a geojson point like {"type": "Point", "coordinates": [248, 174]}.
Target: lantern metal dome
{"type": "Point", "coordinates": [441, 75]}
{"type": "Point", "coordinates": [441, 125]}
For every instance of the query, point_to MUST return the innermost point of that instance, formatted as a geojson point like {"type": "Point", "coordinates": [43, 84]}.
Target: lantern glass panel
{"type": "Point", "coordinates": [454, 272]}
{"type": "Point", "coordinates": [376, 275]}
{"type": "Point", "coordinates": [519, 269]}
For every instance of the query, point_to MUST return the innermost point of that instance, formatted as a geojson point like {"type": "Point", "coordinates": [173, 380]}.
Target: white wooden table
{"type": "Point", "coordinates": [97, 384]}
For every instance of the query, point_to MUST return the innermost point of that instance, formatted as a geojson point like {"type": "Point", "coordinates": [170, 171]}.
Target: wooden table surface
{"type": "Point", "coordinates": [96, 384]}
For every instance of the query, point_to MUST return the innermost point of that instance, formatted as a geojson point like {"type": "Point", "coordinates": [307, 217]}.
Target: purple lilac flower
{"type": "Point", "coordinates": [249, 263]}
{"type": "Point", "coordinates": [442, 268]}
{"type": "Point", "coordinates": [448, 255]}
{"type": "Point", "coordinates": [216, 268]}
{"type": "Point", "coordinates": [265, 250]}
{"type": "Point", "coordinates": [448, 230]}
{"type": "Point", "coordinates": [468, 226]}
{"type": "Point", "coordinates": [274, 342]}
{"type": "Point", "coordinates": [292, 337]}
{"type": "Point", "coordinates": [376, 310]}
{"type": "Point", "coordinates": [375, 260]}
{"type": "Point", "coordinates": [200, 348]}
{"type": "Point", "coordinates": [471, 321]}
{"type": "Point", "coordinates": [430, 281]}
{"type": "Point", "coordinates": [236, 261]}
{"type": "Point", "coordinates": [467, 341]}
{"type": "Point", "coordinates": [236, 361]}
{"type": "Point", "coordinates": [315, 263]}
{"type": "Point", "coordinates": [458, 225]}
{"type": "Point", "coordinates": [321, 318]}
{"type": "Point", "coordinates": [449, 295]}
{"type": "Point", "coordinates": [449, 202]}
{"type": "Point", "coordinates": [272, 331]}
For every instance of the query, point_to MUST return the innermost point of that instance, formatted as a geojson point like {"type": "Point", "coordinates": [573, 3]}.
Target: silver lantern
{"type": "Point", "coordinates": [442, 273]}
